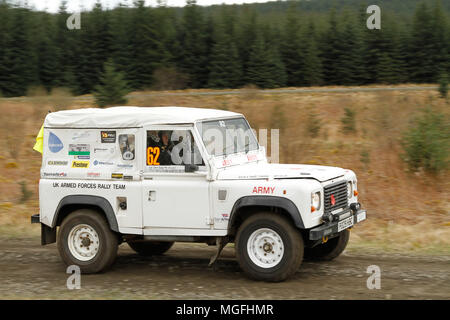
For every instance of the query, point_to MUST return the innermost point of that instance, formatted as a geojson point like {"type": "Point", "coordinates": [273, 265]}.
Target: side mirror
{"type": "Point", "coordinates": [190, 167]}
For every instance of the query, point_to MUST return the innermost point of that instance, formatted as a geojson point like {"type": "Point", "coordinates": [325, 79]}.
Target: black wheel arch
{"type": "Point", "coordinates": [71, 203]}
{"type": "Point", "coordinates": [249, 204]}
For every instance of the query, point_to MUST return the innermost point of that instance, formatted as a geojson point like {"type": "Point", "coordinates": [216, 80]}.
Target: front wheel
{"type": "Point", "coordinates": [329, 250]}
{"type": "Point", "coordinates": [268, 247]}
{"type": "Point", "coordinates": [85, 240]}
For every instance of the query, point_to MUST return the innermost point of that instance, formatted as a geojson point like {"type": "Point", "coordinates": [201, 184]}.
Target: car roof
{"type": "Point", "coordinates": [131, 117]}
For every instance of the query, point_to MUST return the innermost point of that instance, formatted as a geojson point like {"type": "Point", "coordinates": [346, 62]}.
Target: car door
{"type": "Point", "coordinates": [175, 202]}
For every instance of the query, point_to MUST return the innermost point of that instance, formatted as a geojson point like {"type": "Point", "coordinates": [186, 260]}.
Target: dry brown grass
{"type": "Point", "coordinates": [407, 211]}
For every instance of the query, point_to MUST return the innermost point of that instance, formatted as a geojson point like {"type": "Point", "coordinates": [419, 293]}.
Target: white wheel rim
{"type": "Point", "coordinates": [265, 248]}
{"type": "Point", "coordinates": [83, 242]}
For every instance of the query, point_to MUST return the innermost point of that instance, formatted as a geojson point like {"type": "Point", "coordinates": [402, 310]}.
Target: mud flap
{"type": "Point", "coordinates": [48, 235]}
{"type": "Point", "coordinates": [221, 242]}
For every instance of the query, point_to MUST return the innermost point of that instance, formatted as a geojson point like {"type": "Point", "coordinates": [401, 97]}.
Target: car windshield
{"type": "Point", "coordinates": [224, 137]}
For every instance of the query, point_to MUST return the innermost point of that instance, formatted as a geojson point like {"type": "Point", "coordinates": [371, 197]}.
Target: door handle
{"type": "Point", "coordinates": [152, 195]}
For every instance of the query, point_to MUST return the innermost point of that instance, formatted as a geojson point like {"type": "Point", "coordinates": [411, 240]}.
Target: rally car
{"type": "Point", "coordinates": [153, 176]}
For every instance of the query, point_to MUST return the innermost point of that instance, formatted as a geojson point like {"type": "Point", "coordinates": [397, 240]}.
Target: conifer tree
{"type": "Point", "coordinates": [146, 48]}
{"type": "Point", "coordinates": [277, 69]}
{"type": "Point", "coordinates": [257, 72]}
{"type": "Point", "coordinates": [121, 50]}
{"type": "Point", "coordinates": [5, 50]}
{"type": "Point", "coordinates": [443, 85]}
{"type": "Point", "coordinates": [331, 50]}
{"type": "Point", "coordinates": [225, 68]}
{"type": "Point", "coordinates": [421, 64]}
{"type": "Point", "coordinates": [351, 67]}
{"type": "Point", "coordinates": [246, 35]}
{"type": "Point", "coordinates": [193, 60]}
{"type": "Point", "coordinates": [94, 48]}
{"type": "Point", "coordinates": [401, 52]}
{"type": "Point", "coordinates": [112, 88]}
{"type": "Point", "coordinates": [46, 63]}
{"type": "Point", "coordinates": [440, 41]}
{"type": "Point", "coordinates": [166, 21]}
{"type": "Point", "coordinates": [23, 57]}
{"type": "Point", "coordinates": [312, 73]}
{"type": "Point", "coordinates": [65, 51]}
{"type": "Point", "coordinates": [291, 49]}
{"type": "Point", "coordinates": [268, 44]}
{"type": "Point", "coordinates": [265, 68]}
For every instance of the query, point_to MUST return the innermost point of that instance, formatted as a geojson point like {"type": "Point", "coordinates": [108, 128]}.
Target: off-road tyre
{"type": "Point", "coordinates": [275, 229]}
{"type": "Point", "coordinates": [329, 250]}
{"type": "Point", "coordinates": [105, 241]}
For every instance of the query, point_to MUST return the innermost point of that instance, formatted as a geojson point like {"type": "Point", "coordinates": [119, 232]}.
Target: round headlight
{"type": "Point", "coordinates": [315, 200]}
{"type": "Point", "coordinates": [349, 189]}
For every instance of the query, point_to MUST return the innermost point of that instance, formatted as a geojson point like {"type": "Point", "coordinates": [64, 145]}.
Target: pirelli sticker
{"type": "Point", "coordinates": [108, 136]}
{"type": "Point", "coordinates": [117, 175]}
{"type": "Point", "coordinates": [80, 164]}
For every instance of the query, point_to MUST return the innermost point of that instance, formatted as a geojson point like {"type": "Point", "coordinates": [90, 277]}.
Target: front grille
{"type": "Point", "coordinates": [339, 191]}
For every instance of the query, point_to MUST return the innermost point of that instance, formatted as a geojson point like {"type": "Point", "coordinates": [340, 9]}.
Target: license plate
{"type": "Point", "coordinates": [360, 217]}
{"type": "Point", "coordinates": [344, 224]}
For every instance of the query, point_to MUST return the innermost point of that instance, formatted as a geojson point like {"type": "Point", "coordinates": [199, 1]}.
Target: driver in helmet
{"type": "Point", "coordinates": [165, 146]}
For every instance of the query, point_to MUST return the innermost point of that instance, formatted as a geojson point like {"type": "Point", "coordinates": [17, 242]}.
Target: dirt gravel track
{"type": "Point", "coordinates": [31, 271]}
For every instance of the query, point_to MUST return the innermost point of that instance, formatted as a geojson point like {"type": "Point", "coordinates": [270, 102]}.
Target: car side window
{"type": "Point", "coordinates": [172, 148]}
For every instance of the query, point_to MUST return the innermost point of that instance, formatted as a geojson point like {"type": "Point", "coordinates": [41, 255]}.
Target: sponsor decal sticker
{"type": "Point", "coordinates": [93, 174]}
{"type": "Point", "coordinates": [57, 163]}
{"type": "Point", "coordinates": [80, 164]}
{"type": "Point", "coordinates": [263, 190]}
{"type": "Point", "coordinates": [54, 143]}
{"type": "Point", "coordinates": [125, 166]}
{"type": "Point", "coordinates": [108, 136]}
{"type": "Point", "coordinates": [103, 163]}
{"type": "Point", "coordinates": [89, 185]}
{"type": "Point", "coordinates": [79, 149]}
{"type": "Point", "coordinates": [55, 174]}
{"type": "Point", "coordinates": [82, 135]}
{"type": "Point", "coordinates": [105, 150]}
{"type": "Point", "coordinates": [128, 155]}
{"type": "Point", "coordinates": [82, 157]}
{"type": "Point", "coordinates": [100, 150]}
{"type": "Point", "coordinates": [223, 217]}
{"type": "Point", "coordinates": [117, 175]}
{"type": "Point", "coordinates": [226, 162]}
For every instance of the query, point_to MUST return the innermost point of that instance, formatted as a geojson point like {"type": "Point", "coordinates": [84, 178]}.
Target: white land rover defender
{"type": "Point", "coordinates": [153, 176]}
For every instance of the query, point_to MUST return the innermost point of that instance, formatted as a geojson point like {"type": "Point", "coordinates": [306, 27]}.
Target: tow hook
{"type": "Point", "coordinates": [324, 239]}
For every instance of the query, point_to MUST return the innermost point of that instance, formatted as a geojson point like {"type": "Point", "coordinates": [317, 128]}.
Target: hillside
{"type": "Point", "coordinates": [270, 45]}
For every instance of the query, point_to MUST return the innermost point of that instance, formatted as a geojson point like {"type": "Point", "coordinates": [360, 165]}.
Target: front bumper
{"type": "Point", "coordinates": [329, 229]}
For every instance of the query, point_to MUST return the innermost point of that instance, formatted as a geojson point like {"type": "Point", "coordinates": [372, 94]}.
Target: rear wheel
{"type": "Point", "coordinates": [150, 248]}
{"type": "Point", "coordinates": [85, 240]}
{"type": "Point", "coordinates": [330, 249]}
{"type": "Point", "coordinates": [269, 247]}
